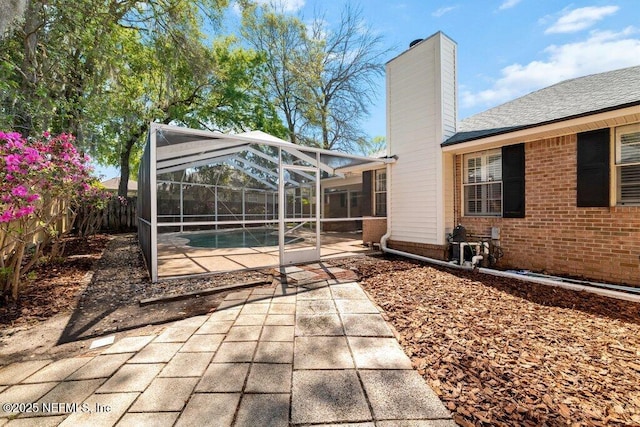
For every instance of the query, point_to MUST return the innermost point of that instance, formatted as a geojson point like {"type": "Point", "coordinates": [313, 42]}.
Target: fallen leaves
{"type": "Point", "coordinates": [505, 352]}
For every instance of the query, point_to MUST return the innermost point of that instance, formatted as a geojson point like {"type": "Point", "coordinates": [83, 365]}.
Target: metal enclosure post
{"type": "Point", "coordinates": [243, 207]}
{"type": "Point", "coordinates": [153, 193]}
{"type": "Point", "coordinates": [215, 209]}
{"type": "Point", "coordinates": [317, 220]}
{"type": "Point", "coordinates": [181, 208]}
{"type": "Point", "coordinates": [281, 213]}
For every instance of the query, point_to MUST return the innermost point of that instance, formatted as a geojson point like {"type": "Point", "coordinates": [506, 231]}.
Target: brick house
{"type": "Point", "coordinates": [551, 178]}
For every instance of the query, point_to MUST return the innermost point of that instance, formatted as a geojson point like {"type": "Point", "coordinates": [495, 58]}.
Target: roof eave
{"type": "Point", "coordinates": [509, 130]}
{"type": "Point", "coordinates": [560, 126]}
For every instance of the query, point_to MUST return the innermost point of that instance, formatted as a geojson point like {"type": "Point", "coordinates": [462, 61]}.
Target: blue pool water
{"type": "Point", "coordinates": [244, 238]}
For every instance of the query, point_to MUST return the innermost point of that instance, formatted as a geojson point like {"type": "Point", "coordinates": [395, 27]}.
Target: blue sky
{"type": "Point", "coordinates": [506, 48]}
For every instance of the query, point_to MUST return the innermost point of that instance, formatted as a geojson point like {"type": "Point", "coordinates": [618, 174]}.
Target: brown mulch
{"type": "Point", "coordinates": [505, 352]}
{"type": "Point", "coordinates": [496, 351]}
{"type": "Point", "coordinates": [53, 287]}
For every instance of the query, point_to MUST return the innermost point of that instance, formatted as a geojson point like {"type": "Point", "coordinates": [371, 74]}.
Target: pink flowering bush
{"type": "Point", "coordinates": [42, 181]}
{"type": "Point", "coordinates": [89, 213]}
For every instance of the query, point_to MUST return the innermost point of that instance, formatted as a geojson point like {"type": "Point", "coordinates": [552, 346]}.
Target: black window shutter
{"type": "Point", "coordinates": [593, 168]}
{"type": "Point", "coordinates": [367, 193]}
{"type": "Point", "coordinates": [513, 181]}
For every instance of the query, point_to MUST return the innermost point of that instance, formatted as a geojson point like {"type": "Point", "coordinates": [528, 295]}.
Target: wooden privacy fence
{"type": "Point", "coordinates": [32, 232]}
{"type": "Point", "coordinates": [120, 215]}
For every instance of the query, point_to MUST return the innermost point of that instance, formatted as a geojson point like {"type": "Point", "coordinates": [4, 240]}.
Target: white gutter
{"type": "Point", "coordinates": [539, 280]}
{"type": "Point", "coordinates": [383, 239]}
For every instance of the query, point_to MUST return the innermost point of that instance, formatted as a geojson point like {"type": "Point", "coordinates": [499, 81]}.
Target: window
{"type": "Point", "coordinates": [380, 192]}
{"type": "Point", "coordinates": [483, 183]}
{"type": "Point", "coordinates": [628, 164]}
{"type": "Point", "coordinates": [355, 197]}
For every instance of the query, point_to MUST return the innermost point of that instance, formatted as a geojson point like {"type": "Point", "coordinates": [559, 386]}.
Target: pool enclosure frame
{"type": "Point", "coordinates": [286, 170]}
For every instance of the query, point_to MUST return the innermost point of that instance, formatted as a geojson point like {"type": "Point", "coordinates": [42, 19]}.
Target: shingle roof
{"type": "Point", "coordinates": [568, 99]}
{"type": "Point", "coordinates": [114, 183]}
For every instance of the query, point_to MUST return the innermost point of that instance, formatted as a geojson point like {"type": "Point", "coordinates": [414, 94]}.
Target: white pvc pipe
{"type": "Point", "coordinates": [543, 281]}
{"type": "Point", "coordinates": [383, 246]}
{"type": "Point", "coordinates": [539, 280]}
{"type": "Point", "coordinates": [476, 259]}
{"type": "Point", "coordinates": [559, 284]}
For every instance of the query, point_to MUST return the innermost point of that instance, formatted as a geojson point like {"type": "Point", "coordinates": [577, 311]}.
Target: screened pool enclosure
{"type": "Point", "coordinates": [211, 202]}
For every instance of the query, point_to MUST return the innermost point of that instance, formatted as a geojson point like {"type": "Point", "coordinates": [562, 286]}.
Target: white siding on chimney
{"type": "Point", "coordinates": [421, 114]}
{"type": "Point", "coordinates": [449, 89]}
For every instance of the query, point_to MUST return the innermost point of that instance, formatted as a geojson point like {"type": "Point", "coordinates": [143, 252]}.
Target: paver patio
{"type": "Point", "coordinates": [308, 355]}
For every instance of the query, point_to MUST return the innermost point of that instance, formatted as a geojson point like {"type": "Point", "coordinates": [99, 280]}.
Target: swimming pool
{"type": "Point", "coordinates": [242, 238]}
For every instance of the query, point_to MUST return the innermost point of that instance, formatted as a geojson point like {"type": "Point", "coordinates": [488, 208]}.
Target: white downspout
{"type": "Point", "coordinates": [386, 249]}
{"type": "Point", "coordinates": [383, 239]}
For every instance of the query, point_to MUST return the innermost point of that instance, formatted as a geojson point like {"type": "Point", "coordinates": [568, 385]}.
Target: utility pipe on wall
{"type": "Point", "coordinates": [539, 280]}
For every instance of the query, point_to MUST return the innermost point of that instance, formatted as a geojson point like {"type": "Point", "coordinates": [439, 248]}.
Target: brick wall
{"type": "Point", "coordinates": [373, 229]}
{"type": "Point", "coordinates": [557, 237]}
{"type": "Point", "coordinates": [440, 252]}
{"type": "Point", "coordinates": [344, 226]}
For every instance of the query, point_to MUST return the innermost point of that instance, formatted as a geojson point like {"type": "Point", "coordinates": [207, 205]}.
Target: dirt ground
{"type": "Point", "coordinates": [497, 351]}
{"type": "Point", "coordinates": [505, 352]}
{"type": "Point", "coordinates": [95, 291]}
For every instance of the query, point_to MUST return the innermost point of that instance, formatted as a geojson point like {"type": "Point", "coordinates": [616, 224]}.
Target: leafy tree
{"type": "Point", "coordinates": [281, 38]}
{"type": "Point", "coordinates": [53, 62]}
{"type": "Point", "coordinates": [214, 88]}
{"type": "Point", "coordinates": [373, 146]}
{"type": "Point", "coordinates": [104, 70]}
{"type": "Point", "coordinates": [339, 74]}
{"type": "Point", "coordinates": [321, 79]}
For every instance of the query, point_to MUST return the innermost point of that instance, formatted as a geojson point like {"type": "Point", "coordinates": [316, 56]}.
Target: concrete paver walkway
{"type": "Point", "coordinates": [317, 354]}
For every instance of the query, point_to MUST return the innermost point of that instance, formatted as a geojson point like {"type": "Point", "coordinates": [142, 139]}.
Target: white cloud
{"type": "Point", "coordinates": [601, 51]}
{"type": "Point", "coordinates": [581, 18]}
{"type": "Point", "coordinates": [281, 6]}
{"type": "Point", "coordinates": [290, 5]}
{"type": "Point", "coordinates": [285, 6]}
{"type": "Point", "coordinates": [438, 13]}
{"type": "Point", "coordinates": [508, 4]}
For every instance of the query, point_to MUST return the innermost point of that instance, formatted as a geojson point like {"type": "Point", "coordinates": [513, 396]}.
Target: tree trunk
{"type": "Point", "coordinates": [15, 273]}
{"type": "Point", "coordinates": [125, 156]}
{"type": "Point", "coordinates": [23, 121]}
{"type": "Point", "coordinates": [325, 130]}
{"type": "Point", "coordinates": [123, 187]}
{"type": "Point", "coordinates": [292, 128]}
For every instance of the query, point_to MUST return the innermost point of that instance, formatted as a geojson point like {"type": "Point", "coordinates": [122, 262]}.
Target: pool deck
{"type": "Point", "coordinates": [175, 258]}
{"type": "Point", "coordinates": [317, 354]}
